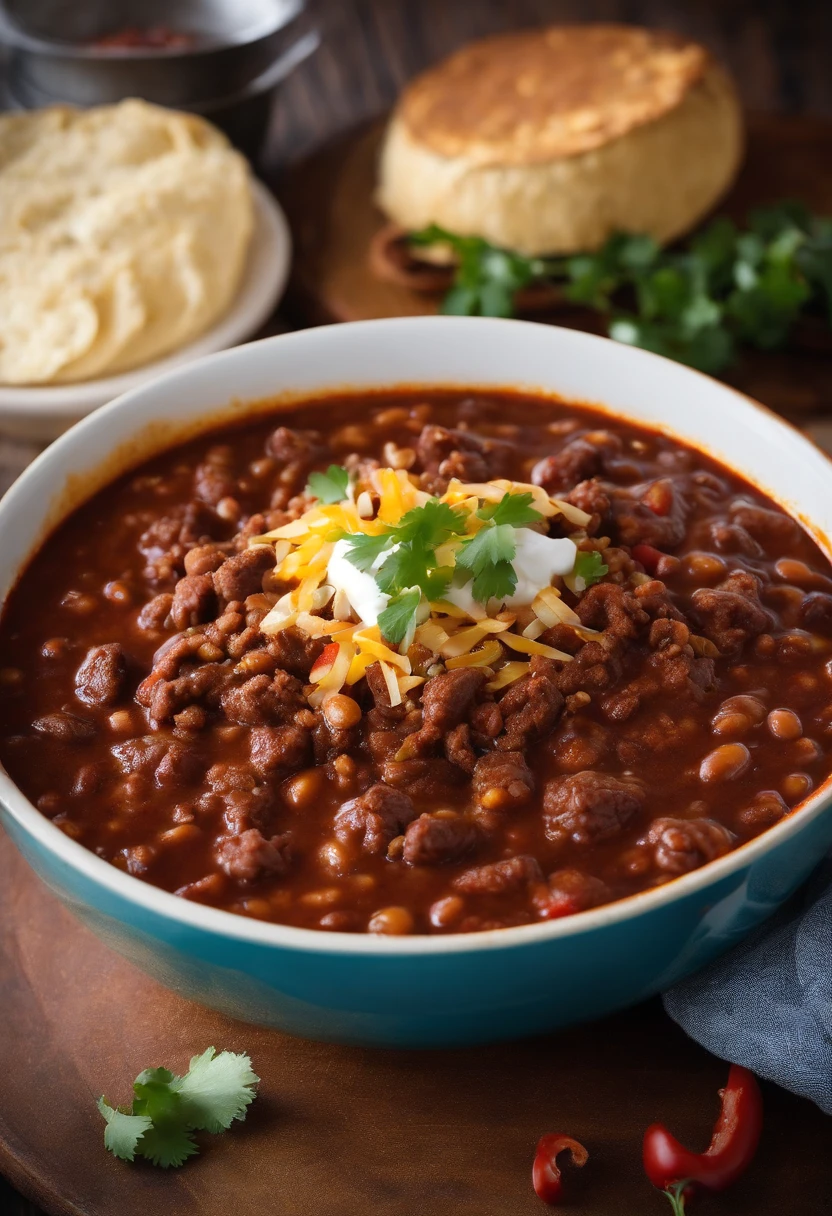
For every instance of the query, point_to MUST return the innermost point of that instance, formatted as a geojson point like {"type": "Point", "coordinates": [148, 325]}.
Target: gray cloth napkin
{"type": "Point", "coordinates": [768, 1003]}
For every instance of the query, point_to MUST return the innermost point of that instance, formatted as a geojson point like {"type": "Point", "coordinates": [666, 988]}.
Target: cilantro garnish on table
{"type": "Point", "coordinates": [167, 1109]}
{"type": "Point", "coordinates": [698, 304]}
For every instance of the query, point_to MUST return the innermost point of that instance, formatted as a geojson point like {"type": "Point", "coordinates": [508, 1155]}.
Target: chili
{"type": "Point", "coordinates": [675, 1169]}
{"type": "Point", "coordinates": [546, 1176]}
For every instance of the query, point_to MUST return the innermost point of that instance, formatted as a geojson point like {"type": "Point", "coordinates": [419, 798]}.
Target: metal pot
{"type": "Point", "coordinates": [235, 41]}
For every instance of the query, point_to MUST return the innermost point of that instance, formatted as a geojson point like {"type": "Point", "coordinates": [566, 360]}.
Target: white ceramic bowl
{"type": "Point", "coordinates": [442, 989]}
{"type": "Point", "coordinates": [39, 413]}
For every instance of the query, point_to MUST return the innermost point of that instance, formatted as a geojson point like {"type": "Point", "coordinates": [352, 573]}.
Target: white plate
{"type": "Point", "coordinates": [42, 413]}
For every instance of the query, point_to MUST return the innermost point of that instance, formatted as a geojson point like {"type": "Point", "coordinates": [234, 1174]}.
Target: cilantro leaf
{"type": "Point", "coordinates": [514, 509]}
{"type": "Point", "coordinates": [167, 1143]}
{"type": "Point", "coordinates": [397, 618]}
{"type": "Point", "coordinates": [123, 1131]}
{"type": "Point", "coordinates": [167, 1109]}
{"type": "Point", "coordinates": [589, 567]}
{"type": "Point", "coordinates": [488, 555]}
{"type": "Point", "coordinates": [329, 487]}
{"type": "Point", "coordinates": [433, 524]}
{"type": "Point", "coordinates": [364, 551]}
{"type": "Point", "coordinates": [216, 1090]}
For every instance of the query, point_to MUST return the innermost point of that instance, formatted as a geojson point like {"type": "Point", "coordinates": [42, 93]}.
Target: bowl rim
{"type": "Point", "coordinates": [235, 926]}
{"type": "Point", "coordinates": [21, 40]}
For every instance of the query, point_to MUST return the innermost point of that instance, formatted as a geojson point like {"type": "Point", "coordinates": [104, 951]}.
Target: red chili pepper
{"type": "Point", "coordinates": [546, 1178]}
{"type": "Point", "coordinates": [648, 557]}
{"type": "Point", "coordinates": [677, 1171]}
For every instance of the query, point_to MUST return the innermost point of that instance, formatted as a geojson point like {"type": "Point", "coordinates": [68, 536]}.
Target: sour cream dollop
{"type": "Point", "coordinates": [537, 560]}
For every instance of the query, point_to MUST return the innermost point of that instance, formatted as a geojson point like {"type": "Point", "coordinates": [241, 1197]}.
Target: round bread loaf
{"type": "Point", "coordinates": [547, 141]}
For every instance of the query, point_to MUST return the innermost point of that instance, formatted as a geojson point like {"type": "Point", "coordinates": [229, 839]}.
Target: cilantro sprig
{"type": "Point", "coordinates": [167, 1109]}
{"type": "Point", "coordinates": [411, 569]}
{"type": "Point", "coordinates": [329, 487]}
{"type": "Point", "coordinates": [698, 305]}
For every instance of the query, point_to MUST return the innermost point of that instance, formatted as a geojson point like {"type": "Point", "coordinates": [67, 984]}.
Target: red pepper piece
{"type": "Point", "coordinates": [659, 498]}
{"type": "Point", "coordinates": [324, 661]}
{"type": "Point", "coordinates": [674, 1169]}
{"type": "Point", "coordinates": [546, 1177]}
{"type": "Point", "coordinates": [648, 557]}
{"type": "Point", "coordinates": [560, 905]}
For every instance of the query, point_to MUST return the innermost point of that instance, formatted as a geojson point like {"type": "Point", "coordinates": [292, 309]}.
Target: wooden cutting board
{"type": "Point", "coordinates": [329, 201]}
{"type": "Point", "coordinates": [343, 1131]}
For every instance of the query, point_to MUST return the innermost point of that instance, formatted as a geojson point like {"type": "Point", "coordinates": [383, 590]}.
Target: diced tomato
{"type": "Point", "coordinates": [560, 905]}
{"type": "Point", "coordinates": [648, 557]}
{"type": "Point", "coordinates": [659, 498]}
{"type": "Point", "coordinates": [324, 662]}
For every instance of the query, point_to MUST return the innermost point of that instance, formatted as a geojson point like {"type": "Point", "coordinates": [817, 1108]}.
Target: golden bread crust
{"type": "Point", "coordinates": [538, 95]}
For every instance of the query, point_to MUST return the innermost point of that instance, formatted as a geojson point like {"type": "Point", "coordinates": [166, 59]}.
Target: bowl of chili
{"type": "Point", "coordinates": [464, 818]}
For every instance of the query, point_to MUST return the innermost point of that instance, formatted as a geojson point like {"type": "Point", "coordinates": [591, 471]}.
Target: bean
{"type": "Point", "coordinates": [445, 911]}
{"type": "Point", "coordinates": [333, 855]}
{"type": "Point", "coordinates": [795, 786]}
{"type": "Point", "coordinates": [705, 567]}
{"type": "Point", "coordinates": [120, 721]}
{"type": "Point", "coordinates": [398, 458]}
{"type": "Point", "coordinates": [79, 602]}
{"type": "Point", "coordinates": [784, 724]}
{"type": "Point", "coordinates": [341, 712]}
{"type": "Point", "coordinates": [791, 570]}
{"type": "Point", "coordinates": [325, 897]}
{"type": "Point", "coordinates": [56, 648]}
{"type": "Point", "coordinates": [806, 750]}
{"type": "Point", "coordinates": [351, 437]}
{"type": "Point", "coordinates": [209, 653]}
{"type": "Point", "coordinates": [731, 724]}
{"type": "Point", "coordinates": [304, 789]}
{"type": "Point", "coordinates": [339, 922]}
{"type": "Point", "coordinates": [392, 922]}
{"type": "Point", "coordinates": [10, 676]}
{"type": "Point", "coordinates": [262, 467]}
{"type": "Point", "coordinates": [363, 882]}
{"type": "Point", "coordinates": [260, 909]}
{"type": "Point", "coordinates": [118, 592]}
{"type": "Point", "coordinates": [744, 703]}
{"type": "Point", "coordinates": [183, 833]}
{"type": "Point", "coordinates": [256, 662]}
{"type": "Point", "coordinates": [229, 509]}
{"type": "Point", "coordinates": [393, 415]}
{"type": "Point", "coordinates": [725, 763]}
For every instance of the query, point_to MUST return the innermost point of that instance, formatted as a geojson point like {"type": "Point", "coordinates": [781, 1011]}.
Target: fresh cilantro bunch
{"type": "Point", "coordinates": [697, 305]}
{"type": "Point", "coordinates": [168, 1109]}
{"type": "Point", "coordinates": [411, 569]}
{"type": "Point", "coordinates": [487, 278]}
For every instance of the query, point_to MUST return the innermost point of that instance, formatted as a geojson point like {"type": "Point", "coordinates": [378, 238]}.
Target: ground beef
{"type": "Point", "coordinates": [499, 877]}
{"type": "Point", "coordinates": [101, 677]}
{"type": "Point", "coordinates": [194, 601]}
{"type": "Point", "coordinates": [264, 700]}
{"type": "Point", "coordinates": [502, 780]}
{"type": "Point", "coordinates": [570, 891]}
{"type": "Point", "coordinates": [580, 459]}
{"type": "Point", "coordinates": [446, 701]}
{"type": "Point", "coordinates": [423, 778]}
{"type": "Point", "coordinates": [295, 652]}
{"type": "Point", "coordinates": [374, 818]}
{"type": "Point", "coordinates": [589, 806]}
{"type": "Point", "coordinates": [530, 707]}
{"type": "Point", "coordinates": [242, 575]}
{"type": "Point", "coordinates": [249, 855]}
{"type": "Point", "coordinates": [277, 750]}
{"type": "Point", "coordinates": [432, 840]}
{"type": "Point", "coordinates": [68, 728]}
{"type": "Point", "coordinates": [681, 845]}
{"type": "Point", "coordinates": [731, 613]}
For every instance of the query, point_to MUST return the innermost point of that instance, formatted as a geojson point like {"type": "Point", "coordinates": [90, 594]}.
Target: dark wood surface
{"type": "Point", "coordinates": [340, 1132]}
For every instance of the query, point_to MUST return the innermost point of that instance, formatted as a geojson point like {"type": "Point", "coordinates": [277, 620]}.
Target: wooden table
{"type": "Point", "coordinates": [779, 52]}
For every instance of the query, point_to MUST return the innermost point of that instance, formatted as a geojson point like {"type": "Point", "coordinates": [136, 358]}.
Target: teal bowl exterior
{"type": "Point", "coordinates": [445, 989]}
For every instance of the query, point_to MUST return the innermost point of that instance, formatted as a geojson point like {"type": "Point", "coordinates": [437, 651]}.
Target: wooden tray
{"type": "Point", "coordinates": [329, 201]}
{"type": "Point", "coordinates": [342, 1131]}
